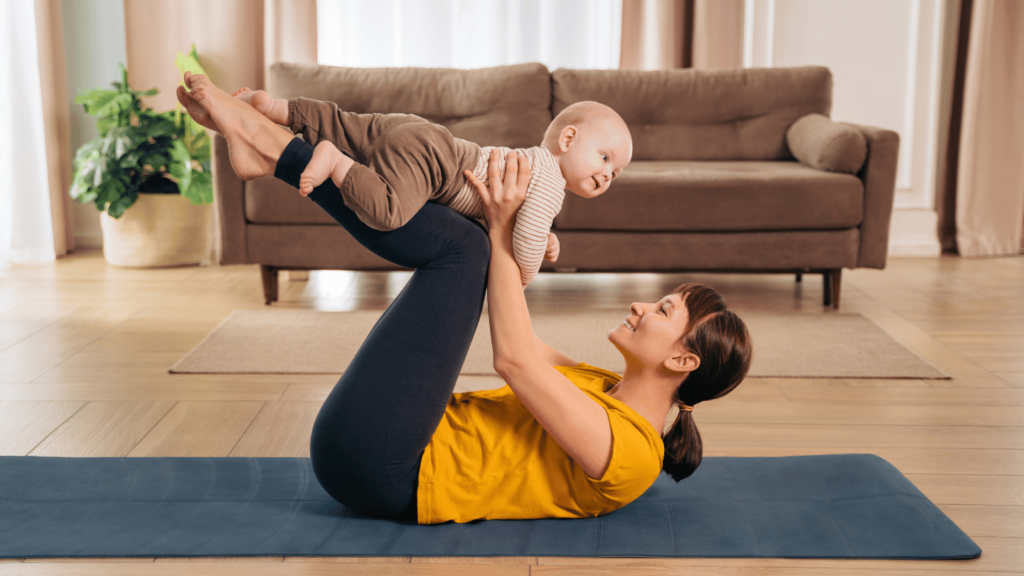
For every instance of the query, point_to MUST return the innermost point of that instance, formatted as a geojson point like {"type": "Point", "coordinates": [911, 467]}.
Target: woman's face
{"type": "Point", "coordinates": [652, 332]}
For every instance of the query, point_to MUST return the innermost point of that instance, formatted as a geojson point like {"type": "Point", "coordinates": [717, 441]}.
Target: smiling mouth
{"type": "Point", "coordinates": [596, 183]}
{"type": "Point", "coordinates": [629, 326]}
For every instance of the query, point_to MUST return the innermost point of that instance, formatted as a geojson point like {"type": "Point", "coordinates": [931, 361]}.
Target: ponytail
{"type": "Point", "coordinates": [683, 448]}
{"type": "Point", "coordinates": [721, 341]}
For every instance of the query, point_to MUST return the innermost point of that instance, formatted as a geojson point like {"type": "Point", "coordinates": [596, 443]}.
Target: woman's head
{"type": "Point", "coordinates": [691, 336]}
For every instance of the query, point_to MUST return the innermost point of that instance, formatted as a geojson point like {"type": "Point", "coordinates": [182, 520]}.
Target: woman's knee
{"type": "Point", "coordinates": [473, 241]}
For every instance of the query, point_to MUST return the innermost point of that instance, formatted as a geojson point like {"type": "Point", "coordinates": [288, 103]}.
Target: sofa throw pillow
{"type": "Point", "coordinates": [819, 142]}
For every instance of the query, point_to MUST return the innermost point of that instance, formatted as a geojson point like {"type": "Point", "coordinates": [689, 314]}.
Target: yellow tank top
{"type": "Point", "coordinates": [490, 459]}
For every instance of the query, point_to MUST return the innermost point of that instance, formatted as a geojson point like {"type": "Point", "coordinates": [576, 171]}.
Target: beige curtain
{"type": "Point", "coordinates": [658, 34]}
{"type": "Point", "coordinates": [236, 41]}
{"type": "Point", "coordinates": [990, 178]}
{"type": "Point", "coordinates": [718, 34]}
{"type": "Point", "coordinates": [56, 120]}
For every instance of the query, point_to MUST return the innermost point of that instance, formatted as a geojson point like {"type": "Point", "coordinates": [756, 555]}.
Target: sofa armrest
{"type": "Point", "coordinates": [879, 177]}
{"type": "Point", "coordinates": [228, 191]}
{"type": "Point", "coordinates": [821, 143]}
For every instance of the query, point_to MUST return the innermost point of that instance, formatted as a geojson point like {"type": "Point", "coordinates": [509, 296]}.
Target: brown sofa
{"type": "Point", "coordinates": [714, 185]}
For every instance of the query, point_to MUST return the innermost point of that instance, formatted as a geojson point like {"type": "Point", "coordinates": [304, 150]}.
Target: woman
{"type": "Point", "coordinates": [563, 439]}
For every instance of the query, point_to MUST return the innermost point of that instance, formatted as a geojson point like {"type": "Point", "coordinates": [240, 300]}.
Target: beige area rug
{"type": "Point", "coordinates": [785, 345]}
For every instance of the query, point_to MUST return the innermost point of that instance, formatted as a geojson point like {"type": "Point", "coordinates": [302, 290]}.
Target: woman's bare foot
{"type": "Point", "coordinates": [327, 162]}
{"type": "Point", "coordinates": [275, 109]}
{"type": "Point", "coordinates": [195, 110]}
{"type": "Point", "coordinates": [254, 142]}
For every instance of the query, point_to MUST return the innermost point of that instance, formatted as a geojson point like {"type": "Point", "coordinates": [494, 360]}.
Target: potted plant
{"type": "Point", "coordinates": [157, 164]}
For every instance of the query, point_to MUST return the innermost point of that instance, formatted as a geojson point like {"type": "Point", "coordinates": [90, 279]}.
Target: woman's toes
{"type": "Point", "coordinates": [199, 81]}
{"type": "Point", "coordinates": [182, 95]}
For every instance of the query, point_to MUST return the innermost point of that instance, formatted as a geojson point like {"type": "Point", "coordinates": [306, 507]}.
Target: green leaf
{"type": "Point", "coordinates": [86, 161]}
{"type": "Point", "coordinates": [201, 189]}
{"type": "Point", "coordinates": [181, 165]}
{"type": "Point", "coordinates": [118, 142]}
{"type": "Point", "coordinates": [78, 190]}
{"type": "Point", "coordinates": [105, 103]}
{"type": "Point", "coordinates": [91, 98]}
{"type": "Point", "coordinates": [101, 172]}
{"type": "Point", "coordinates": [104, 125]}
{"type": "Point", "coordinates": [111, 191]}
{"type": "Point", "coordinates": [88, 149]}
{"type": "Point", "coordinates": [155, 160]}
{"type": "Point", "coordinates": [118, 207]}
{"type": "Point", "coordinates": [131, 159]}
{"type": "Point", "coordinates": [188, 63]}
{"type": "Point", "coordinates": [161, 128]}
{"type": "Point", "coordinates": [193, 128]}
{"type": "Point", "coordinates": [201, 149]}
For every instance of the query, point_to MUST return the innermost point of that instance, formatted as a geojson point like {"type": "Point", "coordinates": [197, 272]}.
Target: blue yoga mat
{"type": "Point", "coordinates": [834, 506]}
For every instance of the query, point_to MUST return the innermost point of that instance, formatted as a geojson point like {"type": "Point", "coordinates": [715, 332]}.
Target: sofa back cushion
{"type": "Point", "coordinates": [499, 106]}
{"type": "Point", "coordinates": [688, 114]}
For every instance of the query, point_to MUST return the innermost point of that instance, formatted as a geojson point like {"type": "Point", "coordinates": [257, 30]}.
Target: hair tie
{"type": "Point", "coordinates": [685, 408]}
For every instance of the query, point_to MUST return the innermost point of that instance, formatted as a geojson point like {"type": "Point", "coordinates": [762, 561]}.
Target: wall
{"type": "Point", "coordinates": [885, 57]}
{"type": "Point", "coordinates": [94, 43]}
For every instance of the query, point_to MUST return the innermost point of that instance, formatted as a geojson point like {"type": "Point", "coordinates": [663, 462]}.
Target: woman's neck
{"type": "Point", "coordinates": [648, 395]}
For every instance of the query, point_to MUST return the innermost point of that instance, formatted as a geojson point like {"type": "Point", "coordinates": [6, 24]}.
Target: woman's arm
{"type": "Point", "coordinates": [578, 423]}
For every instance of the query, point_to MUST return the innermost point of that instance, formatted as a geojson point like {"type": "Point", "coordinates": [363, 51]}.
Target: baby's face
{"type": "Point", "coordinates": [593, 154]}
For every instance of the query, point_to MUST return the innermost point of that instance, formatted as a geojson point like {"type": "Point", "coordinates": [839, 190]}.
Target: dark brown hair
{"type": "Point", "coordinates": [721, 341]}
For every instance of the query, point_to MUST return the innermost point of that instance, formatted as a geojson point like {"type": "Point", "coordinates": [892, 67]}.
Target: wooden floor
{"type": "Point", "coordinates": [84, 352]}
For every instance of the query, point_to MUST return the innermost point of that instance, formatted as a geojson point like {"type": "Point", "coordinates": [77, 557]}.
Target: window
{"type": "Point", "coordinates": [469, 33]}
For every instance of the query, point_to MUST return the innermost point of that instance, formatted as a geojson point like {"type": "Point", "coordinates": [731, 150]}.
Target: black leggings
{"type": "Point", "coordinates": [373, 427]}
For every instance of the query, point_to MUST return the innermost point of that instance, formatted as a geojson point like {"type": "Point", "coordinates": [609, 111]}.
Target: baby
{"type": "Point", "coordinates": [402, 161]}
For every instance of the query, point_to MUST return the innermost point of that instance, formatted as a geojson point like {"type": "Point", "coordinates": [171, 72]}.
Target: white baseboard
{"type": "Point", "coordinates": [913, 233]}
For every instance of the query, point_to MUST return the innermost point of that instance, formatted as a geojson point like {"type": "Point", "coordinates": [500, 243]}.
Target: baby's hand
{"type": "Point", "coordinates": [551, 253]}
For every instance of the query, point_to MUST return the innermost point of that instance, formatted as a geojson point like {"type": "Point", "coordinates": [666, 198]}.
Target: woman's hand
{"type": "Point", "coordinates": [503, 195]}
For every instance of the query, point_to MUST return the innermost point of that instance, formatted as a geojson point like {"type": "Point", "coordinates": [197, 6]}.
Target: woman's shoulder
{"type": "Point", "coordinates": [584, 369]}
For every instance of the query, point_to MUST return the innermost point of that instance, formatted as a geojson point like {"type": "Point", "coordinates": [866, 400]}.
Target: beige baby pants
{"type": "Point", "coordinates": [402, 160]}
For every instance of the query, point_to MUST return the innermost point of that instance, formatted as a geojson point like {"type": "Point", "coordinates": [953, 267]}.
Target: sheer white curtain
{"type": "Point", "coordinates": [26, 229]}
{"type": "Point", "coordinates": [469, 33]}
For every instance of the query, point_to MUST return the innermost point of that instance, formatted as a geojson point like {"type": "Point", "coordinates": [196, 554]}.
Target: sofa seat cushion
{"type": "Point", "coordinates": [689, 196]}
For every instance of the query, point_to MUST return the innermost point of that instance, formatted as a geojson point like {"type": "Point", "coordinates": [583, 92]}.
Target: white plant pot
{"type": "Point", "coordinates": [158, 230]}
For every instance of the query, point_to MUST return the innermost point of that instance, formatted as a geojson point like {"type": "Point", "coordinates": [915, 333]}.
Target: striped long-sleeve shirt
{"type": "Point", "coordinates": [544, 196]}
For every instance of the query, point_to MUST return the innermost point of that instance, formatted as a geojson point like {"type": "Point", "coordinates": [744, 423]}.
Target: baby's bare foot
{"type": "Point", "coordinates": [254, 142]}
{"type": "Point", "coordinates": [197, 112]}
{"type": "Point", "coordinates": [327, 162]}
{"type": "Point", "coordinates": [275, 109]}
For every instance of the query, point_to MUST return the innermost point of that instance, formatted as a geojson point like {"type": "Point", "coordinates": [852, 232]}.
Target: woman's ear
{"type": "Point", "coordinates": [683, 361]}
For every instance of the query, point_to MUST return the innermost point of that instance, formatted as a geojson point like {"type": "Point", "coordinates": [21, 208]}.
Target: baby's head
{"type": "Point", "coordinates": [592, 145]}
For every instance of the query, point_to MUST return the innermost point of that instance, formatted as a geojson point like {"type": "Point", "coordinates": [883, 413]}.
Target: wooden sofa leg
{"type": "Point", "coordinates": [799, 277]}
{"type": "Point", "coordinates": [832, 281]}
{"type": "Point", "coordinates": [269, 274]}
